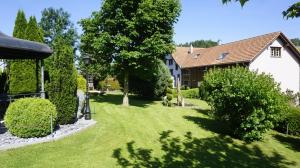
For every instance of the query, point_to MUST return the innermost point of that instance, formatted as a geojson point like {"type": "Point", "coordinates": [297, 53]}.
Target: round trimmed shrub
{"type": "Point", "coordinates": [30, 117]}
{"type": "Point", "coordinates": [249, 102]}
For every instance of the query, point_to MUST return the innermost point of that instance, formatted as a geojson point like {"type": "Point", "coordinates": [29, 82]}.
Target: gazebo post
{"type": "Point", "coordinates": [42, 79]}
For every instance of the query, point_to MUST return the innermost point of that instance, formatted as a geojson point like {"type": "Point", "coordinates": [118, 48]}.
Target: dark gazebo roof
{"type": "Point", "coordinates": [14, 48]}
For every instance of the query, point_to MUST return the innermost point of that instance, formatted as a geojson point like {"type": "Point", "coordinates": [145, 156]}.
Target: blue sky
{"type": "Point", "coordinates": [200, 19]}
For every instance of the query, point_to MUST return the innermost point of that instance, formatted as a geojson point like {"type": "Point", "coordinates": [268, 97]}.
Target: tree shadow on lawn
{"type": "Point", "coordinates": [191, 152]}
{"type": "Point", "coordinates": [117, 99]}
{"type": "Point", "coordinates": [292, 143]}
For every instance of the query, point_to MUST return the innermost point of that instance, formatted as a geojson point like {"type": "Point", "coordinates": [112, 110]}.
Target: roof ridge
{"type": "Point", "coordinates": [249, 38]}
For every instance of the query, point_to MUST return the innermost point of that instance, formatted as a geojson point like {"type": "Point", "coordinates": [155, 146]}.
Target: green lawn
{"type": "Point", "coordinates": [142, 124]}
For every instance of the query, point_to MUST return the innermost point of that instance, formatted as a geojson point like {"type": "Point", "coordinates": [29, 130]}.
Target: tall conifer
{"type": "Point", "coordinates": [23, 77]}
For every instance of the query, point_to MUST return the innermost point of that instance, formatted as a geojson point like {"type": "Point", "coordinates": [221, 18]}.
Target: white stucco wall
{"type": "Point", "coordinates": [285, 70]}
{"type": "Point", "coordinates": [175, 72]}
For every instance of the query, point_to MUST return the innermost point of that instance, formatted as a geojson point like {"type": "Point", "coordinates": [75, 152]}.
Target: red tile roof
{"type": "Point", "coordinates": [239, 51]}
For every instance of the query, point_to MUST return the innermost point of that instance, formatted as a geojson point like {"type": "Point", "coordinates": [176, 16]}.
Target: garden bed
{"type": "Point", "coordinates": [8, 141]}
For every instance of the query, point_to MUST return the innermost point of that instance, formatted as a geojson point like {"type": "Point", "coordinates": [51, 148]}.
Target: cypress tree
{"type": "Point", "coordinates": [20, 25]}
{"type": "Point", "coordinates": [23, 75]}
{"type": "Point", "coordinates": [63, 81]}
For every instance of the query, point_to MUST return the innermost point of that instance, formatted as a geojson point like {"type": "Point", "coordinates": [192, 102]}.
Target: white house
{"type": "Point", "coordinates": [271, 53]}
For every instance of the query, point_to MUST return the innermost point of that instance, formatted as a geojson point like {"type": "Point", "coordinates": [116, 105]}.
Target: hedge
{"type": "Point", "coordinates": [291, 122]}
{"type": "Point", "coordinates": [191, 93]}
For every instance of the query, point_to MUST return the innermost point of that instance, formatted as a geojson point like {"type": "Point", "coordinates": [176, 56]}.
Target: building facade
{"type": "Point", "coordinates": [271, 53]}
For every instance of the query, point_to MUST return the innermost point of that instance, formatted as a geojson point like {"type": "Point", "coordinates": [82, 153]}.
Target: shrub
{"type": "Point", "coordinates": [291, 121]}
{"type": "Point", "coordinates": [191, 93]}
{"type": "Point", "coordinates": [81, 83]}
{"type": "Point", "coordinates": [30, 117]}
{"type": "Point", "coordinates": [63, 82]}
{"type": "Point", "coordinates": [250, 103]}
{"type": "Point", "coordinates": [167, 101]}
{"type": "Point", "coordinates": [150, 82]}
{"type": "Point", "coordinates": [109, 83]}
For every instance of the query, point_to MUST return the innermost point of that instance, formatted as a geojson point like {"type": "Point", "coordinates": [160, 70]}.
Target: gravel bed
{"type": "Point", "coordinates": [8, 141]}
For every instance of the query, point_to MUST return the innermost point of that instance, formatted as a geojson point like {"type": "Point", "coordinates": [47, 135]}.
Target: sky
{"type": "Point", "coordinates": [200, 19]}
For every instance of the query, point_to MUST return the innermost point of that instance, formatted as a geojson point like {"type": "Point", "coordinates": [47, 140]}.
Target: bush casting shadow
{"type": "Point", "coordinates": [292, 142]}
{"type": "Point", "coordinates": [117, 99]}
{"type": "Point", "coordinates": [210, 124]}
{"type": "Point", "coordinates": [192, 152]}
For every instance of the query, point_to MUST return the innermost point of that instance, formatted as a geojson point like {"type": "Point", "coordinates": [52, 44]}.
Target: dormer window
{"type": "Point", "coordinates": [276, 52]}
{"type": "Point", "coordinates": [170, 62]}
{"type": "Point", "coordinates": [223, 56]}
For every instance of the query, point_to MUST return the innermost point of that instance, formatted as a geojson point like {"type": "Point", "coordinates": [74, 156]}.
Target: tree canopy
{"type": "Point", "coordinates": [56, 22]}
{"type": "Point", "coordinates": [200, 43]}
{"type": "Point", "coordinates": [296, 41]}
{"type": "Point", "coordinates": [292, 12]}
{"type": "Point", "coordinates": [131, 33]}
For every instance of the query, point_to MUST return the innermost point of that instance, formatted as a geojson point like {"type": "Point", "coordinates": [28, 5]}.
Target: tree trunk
{"type": "Point", "coordinates": [126, 85]}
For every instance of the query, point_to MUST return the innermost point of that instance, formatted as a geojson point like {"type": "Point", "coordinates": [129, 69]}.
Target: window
{"type": "Point", "coordinates": [178, 76]}
{"type": "Point", "coordinates": [171, 71]}
{"type": "Point", "coordinates": [170, 62]}
{"type": "Point", "coordinates": [276, 52]}
{"type": "Point", "coordinates": [185, 72]}
{"type": "Point", "coordinates": [222, 56]}
{"type": "Point", "coordinates": [176, 67]}
{"type": "Point", "coordinates": [186, 83]}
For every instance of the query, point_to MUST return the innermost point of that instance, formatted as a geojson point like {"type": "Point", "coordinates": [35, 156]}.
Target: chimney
{"type": "Point", "coordinates": [191, 49]}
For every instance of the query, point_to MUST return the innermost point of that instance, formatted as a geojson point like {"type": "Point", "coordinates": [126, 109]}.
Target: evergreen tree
{"type": "Point", "coordinates": [20, 25]}
{"type": "Point", "coordinates": [23, 75]}
{"type": "Point", "coordinates": [63, 81]}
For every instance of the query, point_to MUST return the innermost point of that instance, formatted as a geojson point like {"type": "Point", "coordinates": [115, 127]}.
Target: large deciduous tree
{"type": "Point", "coordinates": [291, 12]}
{"type": "Point", "coordinates": [23, 76]}
{"type": "Point", "coordinates": [56, 22]}
{"type": "Point", "coordinates": [131, 33]}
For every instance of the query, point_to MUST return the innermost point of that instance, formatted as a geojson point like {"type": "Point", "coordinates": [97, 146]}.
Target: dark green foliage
{"type": "Point", "coordinates": [200, 44]}
{"type": "Point", "coordinates": [250, 103]}
{"type": "Point", "coordinates": [30, 117]}
{"type": "Point", "coordinates": [56, 22]}
{"type": "Point", "coordinates": [4, 81]}
{"type": "Point", "coordinates": [191, 93]}
{"type": "Point", "coordinates": [23, 76]}
{"type": "Point", "coordinates": [133, 34]}
{"type": "Point", "coordinates": [63, 81]}
{"type": "Point", "coordinates": [149, 83]}
{"type": "Point", "coordinates": [291, 121]}
{"type": "Point", "coordinates": [296, 41]}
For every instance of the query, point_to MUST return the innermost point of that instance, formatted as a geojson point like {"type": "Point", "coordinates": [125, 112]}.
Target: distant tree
{"type": "Point", "coordinates": [63, 81]}
{"type": "Point", "coordinates": [296, 41]}
{"type": "Point", "coordinates": [292, 12]}
{"type": "Point", "coordinates": [201, 43]}
{"type": "Point", "coordinates": [56, 22]}
{"type": "Point", "coordinates": [23, 76]}
{"type": "Point", "coordinates": [131, 33]}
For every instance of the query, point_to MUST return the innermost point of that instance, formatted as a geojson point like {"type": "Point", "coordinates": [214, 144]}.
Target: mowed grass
{"type": "Point", "coordinates": [142, 123]}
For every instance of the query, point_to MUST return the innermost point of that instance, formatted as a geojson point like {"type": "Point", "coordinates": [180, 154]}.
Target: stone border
{"type": "Point", "coordinates": [12, 142]}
